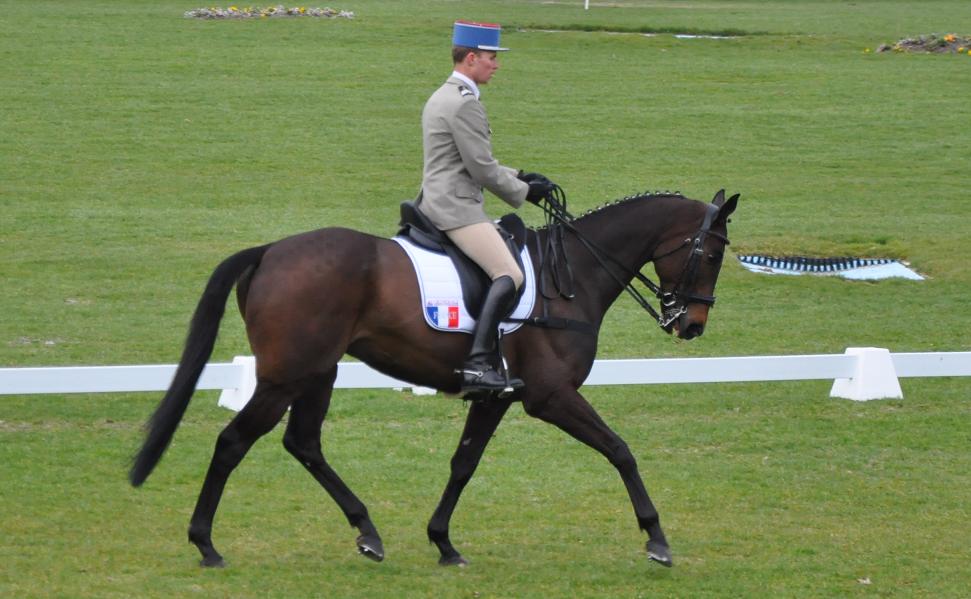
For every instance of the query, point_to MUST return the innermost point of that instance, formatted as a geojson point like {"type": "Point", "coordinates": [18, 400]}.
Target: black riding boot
{"type": "Point", "coordinates": [479, 373]}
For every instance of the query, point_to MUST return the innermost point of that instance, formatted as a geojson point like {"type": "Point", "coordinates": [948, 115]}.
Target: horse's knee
{"type": "Point", "coordinates": [462, 468]}
{"type": "Point", "coordinates": [230, 448]}
{"type": "Point", "coordinates": [622, 458]}
{"type": "Point", "coordinates": [290, 443]}
{"type": "Point", "coordinates": [303, 451]}
{"type": "Point", "coordinates": [535, 405]}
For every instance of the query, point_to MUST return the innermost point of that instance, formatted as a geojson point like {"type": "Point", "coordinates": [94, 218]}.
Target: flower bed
{"type": "Point", "coordinates": [933, 43]}
{"type": "Point", "coordinates": [261, 12]}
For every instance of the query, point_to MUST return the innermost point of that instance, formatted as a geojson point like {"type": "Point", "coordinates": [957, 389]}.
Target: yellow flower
{"type": "Point", "coordinates": [949, 37]}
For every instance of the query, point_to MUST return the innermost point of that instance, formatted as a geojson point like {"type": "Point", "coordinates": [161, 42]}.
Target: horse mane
{"type": "Point", "coordinates": [647, 195]}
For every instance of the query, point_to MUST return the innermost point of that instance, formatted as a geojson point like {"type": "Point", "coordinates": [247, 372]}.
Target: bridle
{"type": "Point", "coordinates": [673, 303]}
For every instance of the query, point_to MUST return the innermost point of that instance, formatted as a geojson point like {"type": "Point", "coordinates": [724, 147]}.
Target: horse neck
{"type": "Point", "coordinates": [632, 229]}
{"type": "Point", "coordinates": [629, 232]}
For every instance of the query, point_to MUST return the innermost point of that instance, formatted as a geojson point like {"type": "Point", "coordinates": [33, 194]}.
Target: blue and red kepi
{"type": "Point", "coordinates": [481, 36]}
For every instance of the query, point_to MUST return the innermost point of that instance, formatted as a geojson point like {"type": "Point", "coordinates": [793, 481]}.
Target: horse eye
{"type": "Point", "coordinates": [715, 257]}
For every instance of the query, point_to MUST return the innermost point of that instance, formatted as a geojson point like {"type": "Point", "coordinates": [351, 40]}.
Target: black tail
{"type": "Point", "coordinates": [198, 347]}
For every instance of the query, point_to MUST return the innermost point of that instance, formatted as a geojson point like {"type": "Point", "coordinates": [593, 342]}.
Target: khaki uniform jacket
{"type": "Point", "coordinates": [459, 162]}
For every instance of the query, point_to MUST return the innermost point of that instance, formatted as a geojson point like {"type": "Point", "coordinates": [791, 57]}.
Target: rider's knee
{"type": "Point", "coordinates": [516, 275]}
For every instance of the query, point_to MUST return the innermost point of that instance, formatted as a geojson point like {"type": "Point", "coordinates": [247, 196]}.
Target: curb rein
{"type": "Point", "coordinates": [673, 303]}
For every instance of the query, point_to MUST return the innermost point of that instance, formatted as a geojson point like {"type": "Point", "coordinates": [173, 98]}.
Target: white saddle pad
{"type": "Point", "coordinates": [441, 292]}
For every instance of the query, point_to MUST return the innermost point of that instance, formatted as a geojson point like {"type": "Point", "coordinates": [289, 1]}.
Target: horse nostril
{"type": "Point", "coordinates": [694, 330]}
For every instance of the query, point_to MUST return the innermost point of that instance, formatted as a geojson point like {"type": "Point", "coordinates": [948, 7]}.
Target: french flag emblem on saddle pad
{"type": "Point", "coordinates": [443, 314]}
{"type": "Point", "coordinates": [441, 291]}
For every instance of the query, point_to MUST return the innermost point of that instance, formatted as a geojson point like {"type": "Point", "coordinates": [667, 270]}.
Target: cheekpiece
{"type": "Point", "coordinates": [481, 36]}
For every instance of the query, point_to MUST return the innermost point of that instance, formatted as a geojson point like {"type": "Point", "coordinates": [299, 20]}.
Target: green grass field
{"type": "Point", "coordinates": [138, 148]}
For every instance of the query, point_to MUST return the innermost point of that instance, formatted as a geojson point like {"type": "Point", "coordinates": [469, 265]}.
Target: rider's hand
{"type": "Point", "coordinates": [539, 186]}
{"type": "Point", "coordinates": [530, 177]}
{"type": "Point", "coordinates": [539, 189]}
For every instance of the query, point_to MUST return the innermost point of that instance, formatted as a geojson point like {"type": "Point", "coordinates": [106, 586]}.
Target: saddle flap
{"type": "Point", "coordinates": [418, 228]}
{"type": "Point", "coordinates": [516, 228]}
{"type": "Point", "coordinates": [442, 295]}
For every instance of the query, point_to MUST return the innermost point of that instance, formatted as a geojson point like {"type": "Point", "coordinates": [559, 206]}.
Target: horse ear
{"type": "Point", "coordinates": [727, 208]}
{"type": "Point", "coordinates": [719, 198]}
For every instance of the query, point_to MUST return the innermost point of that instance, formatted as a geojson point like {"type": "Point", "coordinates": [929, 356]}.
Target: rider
{"type": "Point", "coordinates": [458, 164]}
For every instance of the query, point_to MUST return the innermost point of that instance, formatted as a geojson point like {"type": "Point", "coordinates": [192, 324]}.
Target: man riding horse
{"type": "Point", "coordinates": [458, 164]}
{"type": "Point", "coordinates": [299, 328]}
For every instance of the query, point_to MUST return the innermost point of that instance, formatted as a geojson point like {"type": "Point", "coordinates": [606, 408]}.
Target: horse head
{"type": "Point", "coordinates": [687, 262]}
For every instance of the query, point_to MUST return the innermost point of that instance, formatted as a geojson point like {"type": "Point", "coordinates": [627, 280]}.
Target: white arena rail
{"type": "Point", "coordinates": [860, 374]}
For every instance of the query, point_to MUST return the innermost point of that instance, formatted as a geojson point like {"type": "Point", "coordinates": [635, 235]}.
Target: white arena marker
{"type": "Point", "coordinates": [237, 397]}
{"type": "Point", "coordinates": [874, 376]}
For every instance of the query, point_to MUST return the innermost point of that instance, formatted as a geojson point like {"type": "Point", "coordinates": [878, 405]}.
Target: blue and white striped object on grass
{"type": "Point", "coordinates": [846, 267]}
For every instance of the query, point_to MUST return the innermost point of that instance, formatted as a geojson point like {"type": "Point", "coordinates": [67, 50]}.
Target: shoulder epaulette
{"type": "Point", "coordinates": [464, 91]}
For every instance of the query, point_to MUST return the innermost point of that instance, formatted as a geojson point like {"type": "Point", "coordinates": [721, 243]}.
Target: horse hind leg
{"type": "Point", "coordinates": [302, 440]}
{"type": "Point", "coordinates": [258, 417]}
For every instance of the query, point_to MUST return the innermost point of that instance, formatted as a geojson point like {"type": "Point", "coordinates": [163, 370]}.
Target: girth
{"type": "Point", "coordinates": [475, 282]}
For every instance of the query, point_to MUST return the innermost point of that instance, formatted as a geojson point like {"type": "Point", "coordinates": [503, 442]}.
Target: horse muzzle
{"type": "Point", "coordinates": [686, 325]}
{"type": "Point", "coordinates": [692, 330]}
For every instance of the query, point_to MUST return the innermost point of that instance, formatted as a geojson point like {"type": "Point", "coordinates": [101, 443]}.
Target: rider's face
{"type": "Point", "coordinates": [482, 64]}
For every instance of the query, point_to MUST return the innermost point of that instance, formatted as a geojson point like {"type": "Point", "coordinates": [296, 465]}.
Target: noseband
{"type": "Point", "coordinates": [674, 303]}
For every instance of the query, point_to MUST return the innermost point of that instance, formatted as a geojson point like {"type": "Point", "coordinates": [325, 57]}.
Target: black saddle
{"type": "Point", "coordinates": [475, 282]}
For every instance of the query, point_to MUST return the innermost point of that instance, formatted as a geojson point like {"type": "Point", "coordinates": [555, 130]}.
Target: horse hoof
{"type": "Point", "coordinates": [659, 553]}
{"type": "Point", "coordinates": [453, 560]}
{"type": "Point", "coordinates": [370, 546]}
{"type": "Point", "coordinates": [213, 561]}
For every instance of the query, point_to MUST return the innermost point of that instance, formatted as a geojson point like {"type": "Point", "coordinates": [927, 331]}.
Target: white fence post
{"type": "Point", "coordinates": [235, 398]}
{"type": "Point", "coordinates": [874, 376]}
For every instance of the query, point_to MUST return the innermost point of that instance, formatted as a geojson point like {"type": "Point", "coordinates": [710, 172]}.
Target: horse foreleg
{"type": "Point", "coordinates": [569, 411]}
{"type": "Point", "coordinates": [480, 424]}
{"type": "Point", "coordinates": [302, 439]}
{"type": "Point", "coordinates": [257, 418]}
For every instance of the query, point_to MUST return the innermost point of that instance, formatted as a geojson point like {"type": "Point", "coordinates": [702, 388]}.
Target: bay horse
{"type": "Point", "coordinates": [311, 298]}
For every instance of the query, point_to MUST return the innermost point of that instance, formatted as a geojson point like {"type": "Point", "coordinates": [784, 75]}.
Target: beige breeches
{"type": "Point", "coordinates": [485, 246]}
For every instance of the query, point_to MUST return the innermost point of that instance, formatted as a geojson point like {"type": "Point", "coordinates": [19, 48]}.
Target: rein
{"type": "Point", "coordinates": [673, 303]}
